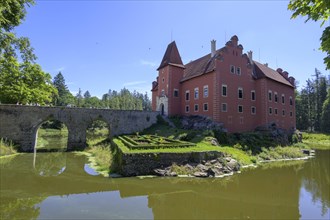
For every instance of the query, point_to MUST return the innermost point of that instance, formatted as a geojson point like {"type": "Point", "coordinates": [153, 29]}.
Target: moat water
{"type": "Point", "coordinates": [63, 186]}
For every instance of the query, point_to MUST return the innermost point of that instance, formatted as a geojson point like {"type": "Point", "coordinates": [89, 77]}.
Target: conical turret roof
{"type": "Point", "coordinates": [171, 56]}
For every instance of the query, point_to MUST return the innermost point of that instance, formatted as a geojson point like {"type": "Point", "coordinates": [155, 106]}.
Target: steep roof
{"type": "Point", "coordinates": [264, 71]}
{"type": "Point", "coordinates": [171, 56]}
{"type": "Point", "coordinates": [198, 67]}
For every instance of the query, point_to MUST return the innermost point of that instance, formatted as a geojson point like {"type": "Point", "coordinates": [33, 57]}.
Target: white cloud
{"type": "Point", "coordinates": [148, 63]}
{"type": "Point", "coordinates": [134, 83]}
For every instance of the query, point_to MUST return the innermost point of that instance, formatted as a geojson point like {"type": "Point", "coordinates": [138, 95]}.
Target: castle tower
{"type": "Point", "coordinates": [166, 94]}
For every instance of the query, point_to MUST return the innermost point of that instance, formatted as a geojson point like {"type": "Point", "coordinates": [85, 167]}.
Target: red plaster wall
{"type": "Point", "coordinates": [198, 82]}
{"type": "Point", "coordinates": [174, 103]}
{"type": "Point", "coordinates": [283, 121]}
{"type": "Point", "coordinates": [232, 119]}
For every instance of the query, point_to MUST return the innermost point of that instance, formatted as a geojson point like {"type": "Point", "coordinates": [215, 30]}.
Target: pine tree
{"type": "Point", "coordinates": [325, 125]}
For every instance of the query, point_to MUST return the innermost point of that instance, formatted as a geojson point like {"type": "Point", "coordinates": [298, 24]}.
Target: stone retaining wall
{"type": "Point", "coordinates": [135, 164]}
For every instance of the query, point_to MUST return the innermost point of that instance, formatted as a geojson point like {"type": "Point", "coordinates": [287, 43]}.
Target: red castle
{"type": "Point", "coordinates": [227, 86]}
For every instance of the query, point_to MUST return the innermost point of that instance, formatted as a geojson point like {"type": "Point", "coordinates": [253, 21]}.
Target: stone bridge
{"type": "Point", "coordinates": [20, 123]}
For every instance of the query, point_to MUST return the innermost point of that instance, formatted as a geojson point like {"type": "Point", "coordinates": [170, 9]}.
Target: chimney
{"type": "Point", "coordinates": [212, 48]}
{"type": "Point", "coordinates": [285, 74]}
{"type": "Point", "coordinates": [279, 70]}
{"type": "Point", "coordinates": [266, 64]}
{"type": "Point", "coordinates": [292, 80]}
{"type": "Point", "coordinates": [250, 56]}
{"type": "Point", "coordinates": [154, 84]}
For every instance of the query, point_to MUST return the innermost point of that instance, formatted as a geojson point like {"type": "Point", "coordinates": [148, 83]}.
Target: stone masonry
{"type": "Point", "coordinates": [20, 123]}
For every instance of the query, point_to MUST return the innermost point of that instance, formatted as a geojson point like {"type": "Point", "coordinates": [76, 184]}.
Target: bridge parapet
{"type": "Point", "coordinates": [20, 123]}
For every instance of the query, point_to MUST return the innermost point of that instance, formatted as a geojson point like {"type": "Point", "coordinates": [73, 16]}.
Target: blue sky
{"type": "Point", "coordinates": [102, 45]}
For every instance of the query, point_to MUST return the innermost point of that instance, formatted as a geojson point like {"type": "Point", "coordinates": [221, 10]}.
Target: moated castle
{"type": "Point", "coordinates": [226, 85]}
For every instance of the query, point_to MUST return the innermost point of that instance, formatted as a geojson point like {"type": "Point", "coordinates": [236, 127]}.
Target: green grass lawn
{"type": "Point", "coordinates": [247, 148]}
{"type": "Point", "coordinates": [316, 140]}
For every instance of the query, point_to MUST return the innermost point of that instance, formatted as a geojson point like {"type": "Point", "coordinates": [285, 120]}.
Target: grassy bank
{"type": "Point", "coordinates": [7, 148]}
{"type": "Point", "coordinates": [98, 150]}
{"type": "Point", "coordinates": [247, 148]}
{"type": "Point", "coordinates": [316, 141]}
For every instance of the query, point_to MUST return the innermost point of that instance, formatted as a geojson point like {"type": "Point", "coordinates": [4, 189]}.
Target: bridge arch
{"type": "Point", "coordinates": [20, 123]}
{"type": "Point", "coordinates": [98, 130]}
{"type": "Point", "coordinates": [42, 121]}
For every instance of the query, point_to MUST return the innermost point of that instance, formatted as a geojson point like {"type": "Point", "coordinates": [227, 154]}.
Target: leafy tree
{"type": "Point", "coordinates": [79, 98]}
{"type": "Point", "coordinates": [64, 96]}
{"type": "Point", "coordinates": [309, 102]}
{"type": "Point", "coordinates": [23, 82]}
{"type": "Point", "coordinates": [92, 102]}
{"type": "Point", "coordinates": [13, 12]}
{"type": "Point", "coordinates": [315, 10]}
{"type": "Point", "coordinates": [325, 125]}
{"type": "Point", "coordinates": [125, 100]}
{"type": "Point", "coordinates": [301, 110]}
{"type": "Point", "coordinates": [87, 95]}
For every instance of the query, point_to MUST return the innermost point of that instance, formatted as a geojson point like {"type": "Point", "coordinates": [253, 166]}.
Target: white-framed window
{"type": "Point", "coordinates": [176, 93]}
{"type": "Point", "coordinates": [206, 91]}
{"type": "Point", "coordinates": [270, 94]}
{"type": "Point", "coordinates": [196, 107]}
{"type": "Point", "coordinates": [187, 95]}
{"type": "Point", "coordinates": [275, 111]}
{"type": "Point", "coordinates": [238, 71]}
{"type": "Point", "coordinates": [205, 107]}
{"type": "Point", "coordinates": [253, 95]}
{"type": "Point", "coordinates": [232, 69]}
{"type": "Point", "coordinates": [196, 93]}
{"type": "Point", "coordinates": [270, 110]}
{"type": "Point", "coordinates": [224, 90]}
{"type": "Point", "coordinates": [224, 107]}
{"type": "Point", "coordinates": [283, 112]}
{"type": "Point", "coordinates": [240, 109]}
{"type": "Point", "coordinates": [240, 93]}
{"type": "Point", "coordinates": [253, 110]}
{"type": "Point", "coordinates": [275, 97]}
{"type": "Point", "coordinates": [283, 99]}
{"type": "Point", "coordinates": [187, 108]}
{"type": "Point", "coordinates": [291, 100]}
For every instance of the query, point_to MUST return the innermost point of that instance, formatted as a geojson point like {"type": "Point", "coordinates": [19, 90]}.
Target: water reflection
{"type": "Point", "coordinates": [49, 164]}
{"type": "Point", "coordinates": [316, 181]}
{"type": "Point", "coordinates": [273, 191]}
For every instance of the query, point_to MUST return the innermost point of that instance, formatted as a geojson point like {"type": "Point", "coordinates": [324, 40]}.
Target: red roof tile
{"type": "Point", "coordinates": [171, 56]}
{"type": "Point", "coordinates": [200, 66]}
{"type": "Point", "coordinates": [264, 71]}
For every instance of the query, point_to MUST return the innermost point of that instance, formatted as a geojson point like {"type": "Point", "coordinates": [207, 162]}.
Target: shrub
{"type": "Point", "coordinates": [161, 121]}
{"type": "Point", "coordinates": [222, 137]}
{"type": "Point", "coordinates": [6, 147]}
